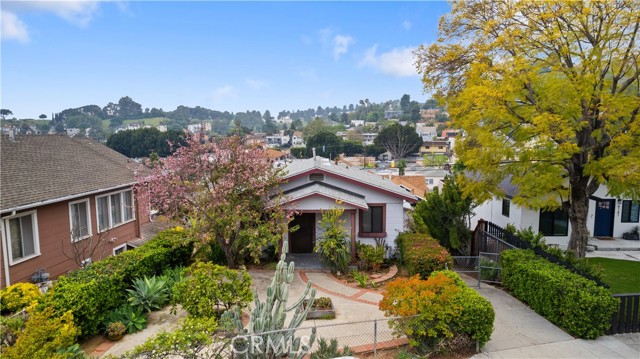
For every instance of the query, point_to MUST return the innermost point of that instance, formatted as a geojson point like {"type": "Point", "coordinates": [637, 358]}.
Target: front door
{"type": "Point", "coordinates": [603, 226]}
{"type": "Point", "coordinates": [301, 241]}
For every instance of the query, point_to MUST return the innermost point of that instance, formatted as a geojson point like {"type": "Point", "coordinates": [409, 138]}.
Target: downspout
{"type": "Point", "coordinates": [5, 256]}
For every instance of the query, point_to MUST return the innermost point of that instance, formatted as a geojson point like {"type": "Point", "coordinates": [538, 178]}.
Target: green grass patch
{"type": "Point", "coordinates": [152, 121]}
{"type": "Point", "coordinates": [623, 276]}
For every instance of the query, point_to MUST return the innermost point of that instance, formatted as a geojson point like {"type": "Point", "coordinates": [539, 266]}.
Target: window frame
{"type": "Point", "coordinates": [124, 246]}
{"type": "Point", "coordinates": [506, 204]}
{"type": "Point", "coordinates": [630, 204]}
{"type": "Point", "coordinates": [553, 223]}
{"type": "Point", "coordinates": [88, 216]}
{"type": "Point", "coordinates": [6, 233]}
{"type": "Point", "coordinates": [108, 196]}
{"type": "Point", "coordinates": [362, 233]}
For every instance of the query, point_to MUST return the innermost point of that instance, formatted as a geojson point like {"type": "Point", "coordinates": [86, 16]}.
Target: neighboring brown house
{"type": "Point", "coordinates": [416, 184]}
{"type": "Point", "coordinates": [59, 193]}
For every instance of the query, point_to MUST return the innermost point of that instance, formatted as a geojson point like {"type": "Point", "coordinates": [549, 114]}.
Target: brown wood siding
{"type": "Point", "coordinates": [55, 240]}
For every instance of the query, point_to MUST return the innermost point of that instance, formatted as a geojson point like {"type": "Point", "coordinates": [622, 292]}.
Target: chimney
{"type": "Point", "coordinates": [313, 150]}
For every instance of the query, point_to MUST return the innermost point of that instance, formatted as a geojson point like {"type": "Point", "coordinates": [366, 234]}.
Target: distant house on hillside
{"type": "Point", "coordinates": [373, 206]}
{"type": "Point", "coordinates": [57, 193]}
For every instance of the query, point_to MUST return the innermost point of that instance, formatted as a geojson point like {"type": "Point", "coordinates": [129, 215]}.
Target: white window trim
{"type": "Point", "coordinates": [89, 229]}
{"type": "Point", "coordinates": [122, 208]}
{"type": "Point", "coordinates": [126, 246]}
{"type": "Point", "coordinates": [7, 237]}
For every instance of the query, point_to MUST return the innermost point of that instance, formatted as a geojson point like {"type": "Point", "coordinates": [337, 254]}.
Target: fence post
{"type": "Point", "coordinates": [479, 270]}
{"type": "Point", "coordinates": [375, 338]}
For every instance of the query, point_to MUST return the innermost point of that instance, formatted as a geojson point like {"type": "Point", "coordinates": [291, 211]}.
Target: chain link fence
{"type": "Point", "coordinates": [368, 336]}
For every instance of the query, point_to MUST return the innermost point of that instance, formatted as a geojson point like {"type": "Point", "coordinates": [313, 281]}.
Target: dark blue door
{"type": "Point", "coordinates": [604, 218]}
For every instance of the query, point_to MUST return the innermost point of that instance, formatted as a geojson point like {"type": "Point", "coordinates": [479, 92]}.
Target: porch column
{"type": "Point", "coordinates": [353, 235]}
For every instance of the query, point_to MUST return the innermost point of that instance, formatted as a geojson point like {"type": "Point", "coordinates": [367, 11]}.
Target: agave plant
{"type": "Point", "coordinates": [134, 319]}
{"type": "Point", "coordinates": [149, 293]}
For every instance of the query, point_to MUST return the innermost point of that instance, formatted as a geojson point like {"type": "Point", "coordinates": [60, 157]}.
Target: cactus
{"type": "Point", "coordinates": [269, 317]}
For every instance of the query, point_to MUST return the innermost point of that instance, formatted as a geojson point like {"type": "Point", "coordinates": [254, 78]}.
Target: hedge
{"type": "Point", "coordinates": [93, 292]}
{"type": "Point", "coordinates": [422, 254]}
{"type": "Point", "coordinates": [566, 299]}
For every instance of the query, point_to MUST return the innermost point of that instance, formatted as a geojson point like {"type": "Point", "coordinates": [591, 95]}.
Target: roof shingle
{"type": "Point", "coordinates": [34, 169]}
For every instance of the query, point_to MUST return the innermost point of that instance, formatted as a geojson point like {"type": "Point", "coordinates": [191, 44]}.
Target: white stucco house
{"type": "Point", "coordinates": [608, 216]}
{"type": "Point", "coordinates": [374, 206]}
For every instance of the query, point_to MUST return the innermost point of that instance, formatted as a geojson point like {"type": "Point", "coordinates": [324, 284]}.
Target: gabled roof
{"type": "Point", "coordinates": [299, 168]}
{"type": "Point", "coordinates": [46, 168]}
{"type": "Point", "coordinates": [321, 189]}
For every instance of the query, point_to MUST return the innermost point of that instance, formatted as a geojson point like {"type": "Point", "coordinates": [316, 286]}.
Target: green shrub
{"type": "Point", "coordinates": [194, 339]}
{"type": "Point", "coordinates": [45, 332]}
{"type": "Point", "coordinates": [328, 350]}
{"type": "Point", "coordinates": [361, 278]}
{"type": "Point", "coordinates": [334, 248]}
{"type": "Point", "coordinates": [16, 297]}
{"type": "Point", "coordinates": [440, 308]}
{"type": "Point", "coordinates": [566, 299]}
{"type": "Point", "coordinates": [423, 254]}
{"type": "Point", "coordinates": [93, 292]}
{"type": "Point", "coordinates": [134, 319]}
{"type": "Point", "coordinates": [149, 293]}
{"type": "Point", "coordinates": [172, 276]}
{"type": "Point", "coordinates": [208, 288]}
{"type": "Point", "coordinates": [10, 328]}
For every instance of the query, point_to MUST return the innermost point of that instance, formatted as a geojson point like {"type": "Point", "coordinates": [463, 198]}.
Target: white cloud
{"type": "Point", "coordinates": [13, 28]}
{"type": "Point", "coordinates": [398, 62]}
{"type": "Point", "coordinates": [255, 84]}
{"type": "Point", "coordinates": [341, 45]}
{"type": "Point", "coordinates": [79, 12]}
{"type": "Point", "coordinates": [223, 92]}
{"type": "Point", "coordinates": [407, 25]}
{"type": "Point", "coordinates": [308, 73]}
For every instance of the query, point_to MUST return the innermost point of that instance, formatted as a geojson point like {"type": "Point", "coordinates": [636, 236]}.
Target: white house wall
{"type": "Point", "coordinates": [394, 206]}
{"type": "Point", "coordinates": [523, 217]}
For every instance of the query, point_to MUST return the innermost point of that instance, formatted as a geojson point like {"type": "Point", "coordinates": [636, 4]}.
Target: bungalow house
{"type": "Point", "coordinates": [61, 197]}
{"type": "Point", "coordinates": [608, 216]}
{"type": "Point", "coordinates": [374, 206]}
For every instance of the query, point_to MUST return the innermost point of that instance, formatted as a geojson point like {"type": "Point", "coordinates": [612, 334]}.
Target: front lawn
{"type": "Point", "coordinates": [623, 276]}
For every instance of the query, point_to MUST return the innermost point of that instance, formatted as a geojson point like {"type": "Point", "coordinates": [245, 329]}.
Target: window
{"type": "Point", "coordinates": [122, 248]}
{"type": "Point", "coordinates": [316, 177]}
{"type": "Point", "coordinates": [79, 220]}
{"type": "Point", "coordinates": [114, 209]}
{"type": "Point", "coordinates": [506, 207]}
{"type": "Point", "coordinates": [554, 223]}
{"type": "Point", "coordinates": [430, 181]}
{"type": "Point", "coordinates": [22, 236]}
{"type": "Point", "coordinates": [630, 211]}
{"type": "Point", "coordinates": [372, 221]}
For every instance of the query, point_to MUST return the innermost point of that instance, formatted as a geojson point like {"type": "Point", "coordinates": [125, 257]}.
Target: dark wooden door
{"type": "Point", "coordinates": [301, 241]}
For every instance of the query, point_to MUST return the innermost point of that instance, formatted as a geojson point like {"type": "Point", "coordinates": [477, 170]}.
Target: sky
{"type": "Point", "coordinates": [226, 56]}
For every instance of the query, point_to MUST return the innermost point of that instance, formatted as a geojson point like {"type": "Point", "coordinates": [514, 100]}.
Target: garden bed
{"type": "Point", "coordinates": [322, 309]}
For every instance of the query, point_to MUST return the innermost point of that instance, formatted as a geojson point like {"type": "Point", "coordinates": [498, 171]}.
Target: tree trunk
{"type": "Point", "coordinates": [578, 212]}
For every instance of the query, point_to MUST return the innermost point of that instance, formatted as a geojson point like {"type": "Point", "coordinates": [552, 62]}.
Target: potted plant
{"type": "Point", "coordinates": [115, 331]}
{"type": "Point", "coordinates": [633, 234]}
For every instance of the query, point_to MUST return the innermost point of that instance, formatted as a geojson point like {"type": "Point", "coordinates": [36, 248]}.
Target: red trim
{"type": "Point", "coordinates": [383, 234]}
{"type": "Point", "coordinates": [351, 180]}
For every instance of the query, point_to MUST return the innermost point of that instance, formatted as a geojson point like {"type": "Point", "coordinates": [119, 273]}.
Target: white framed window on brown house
{"type": "Point", "coordinates": [114, 209]}
{"type": "Point", "coordinates": [21, 235]}
{"type": "Point", "coordinates": [373, 221]}
{"type": "Point", "coordinates": [79, 220]}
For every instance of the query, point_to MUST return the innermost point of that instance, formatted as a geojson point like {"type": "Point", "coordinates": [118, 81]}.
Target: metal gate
{"type": "Point", "coordinates": [484, 267]}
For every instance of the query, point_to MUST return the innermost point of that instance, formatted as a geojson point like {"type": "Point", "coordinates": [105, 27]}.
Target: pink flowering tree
{"type": "Point", "coordinates": [224, 191]}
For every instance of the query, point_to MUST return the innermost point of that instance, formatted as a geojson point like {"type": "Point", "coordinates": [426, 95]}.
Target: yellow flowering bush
{"type": "Point", "coordinates": [18, 296]}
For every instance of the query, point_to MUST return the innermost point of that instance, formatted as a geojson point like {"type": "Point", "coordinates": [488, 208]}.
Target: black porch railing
{"type": "Point", "coordinates": [489, 237]}
{"type": "Point", "coordinates": [627, 318]}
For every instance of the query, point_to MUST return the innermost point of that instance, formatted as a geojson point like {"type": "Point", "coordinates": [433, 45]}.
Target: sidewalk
{"type": "Point", "coordinates": [519, 332]}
